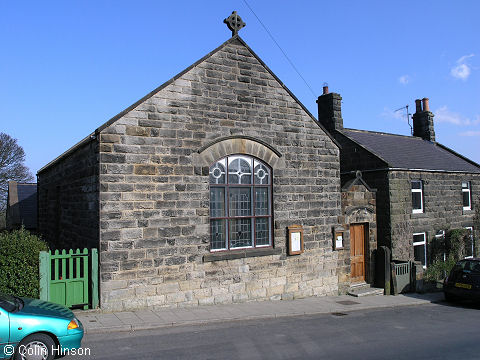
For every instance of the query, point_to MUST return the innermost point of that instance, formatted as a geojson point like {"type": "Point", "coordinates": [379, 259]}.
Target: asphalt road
{"type": "Point", "coordinates": [434, 331]}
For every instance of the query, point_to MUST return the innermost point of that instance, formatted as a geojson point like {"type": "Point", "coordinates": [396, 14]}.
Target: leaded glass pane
{"type": "Point", "coordinates": [240, 233]}
{"type": "Point", "coordinates": [217, 235]}
{"type": "Point", "coordinates": [262, 174]}
{"type": "Point", "coordinates": [240, 201]}
{"type": "Point", "coordinates": [217, 172]}
{"type": "Point", "coordinates": [238, 204]}
{"type": "Point", "coordinates": [239, 170]}
{"type": "Point", "coordinates": [217, 202]}
{"type": "Point", "coordinates": [262, 231]}
{"type": "Point", "coordinates": [261, 202]}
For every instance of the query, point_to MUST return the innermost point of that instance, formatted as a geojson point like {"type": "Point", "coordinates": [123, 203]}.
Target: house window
{"type": "Point", "coordinates": [420, 248]}
{"type": "Point", "coordinates": [467, 196]}
{"type": "Point", "coordinates": [417, 196]}
{"type": "Point", "coordinates": [240, 203]}
{"type": "Point", "coordinates": [469, 243]}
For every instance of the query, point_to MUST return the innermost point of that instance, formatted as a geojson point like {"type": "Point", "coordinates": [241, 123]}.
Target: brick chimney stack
{"type": "Point", "coordinates": [423, 120]}
{"type": "Point", "coordinates": [330, 110]}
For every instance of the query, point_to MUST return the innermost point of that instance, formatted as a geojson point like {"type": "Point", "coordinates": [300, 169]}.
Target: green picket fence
{"type": "Point", "coordinates": [70, 278]}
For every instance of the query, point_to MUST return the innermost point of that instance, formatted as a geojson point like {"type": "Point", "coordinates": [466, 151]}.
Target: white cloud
{"type": "Point", "coordinates": [444, 115]}
{"type": "Point", "coordinates": [404, 79]}
{"type": "Point", "coordinates": [464, 58]}
{"type": "Point", "coordinates": [462, 70]}
{"type": "Point", "coordinates": [470, 133]}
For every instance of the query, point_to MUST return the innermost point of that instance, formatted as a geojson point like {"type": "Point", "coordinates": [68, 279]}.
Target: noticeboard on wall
{"type": "Point", "coordinates": [338, 240]}
{"type": "Point", "coordinates": [295, 240]}
{"type": "Point", "coordinates": [338, 233]}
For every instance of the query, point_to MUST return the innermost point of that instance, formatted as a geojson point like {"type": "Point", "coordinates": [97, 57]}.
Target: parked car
{"type": "Point", "coordinates": [36, 329]}
{"type": "Point", "coordinates": [463, 282]}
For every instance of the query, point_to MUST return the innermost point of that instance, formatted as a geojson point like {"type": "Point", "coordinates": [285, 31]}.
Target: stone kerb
{"type": "Point", "coordinates": [239, 145]}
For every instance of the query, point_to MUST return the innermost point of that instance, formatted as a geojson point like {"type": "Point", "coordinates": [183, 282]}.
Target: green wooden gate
{"type": "Point", "coordinates": [70, 278]}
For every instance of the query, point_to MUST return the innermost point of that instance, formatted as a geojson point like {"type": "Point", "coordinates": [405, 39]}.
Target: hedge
{"type": "Point", "coordinates": [19, 251]}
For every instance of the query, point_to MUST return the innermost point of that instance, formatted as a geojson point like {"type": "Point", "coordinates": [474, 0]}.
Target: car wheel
{"type": "Point", "coordinates": [449, 297]}
{"type": "Point", "coordinates": [35, 347]}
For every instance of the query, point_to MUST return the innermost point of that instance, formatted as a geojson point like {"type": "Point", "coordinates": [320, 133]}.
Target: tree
{"type": "Point", "coordinates": [12, 168]}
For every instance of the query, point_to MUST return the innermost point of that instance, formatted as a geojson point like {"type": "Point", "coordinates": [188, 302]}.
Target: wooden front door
{"type": "Point", "coordinates": [357, 253]}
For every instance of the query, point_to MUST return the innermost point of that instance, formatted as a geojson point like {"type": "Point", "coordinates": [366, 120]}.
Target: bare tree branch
{"type": "Point", "coordinates": [12, 168]}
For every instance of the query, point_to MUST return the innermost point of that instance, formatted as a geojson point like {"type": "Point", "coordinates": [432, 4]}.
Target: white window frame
{"type": "Point", "coordinates": [469, 191]}
{"type": "Point", "coordinates": [473, 242]}
{"type": "Point", "coordinates": [424, 243]}
{"type": "Point", "coordinates": [418, 211]}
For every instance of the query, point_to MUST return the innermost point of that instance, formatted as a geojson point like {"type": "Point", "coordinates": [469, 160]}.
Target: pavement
{"type": "Point", "coordinates": [96, 321]}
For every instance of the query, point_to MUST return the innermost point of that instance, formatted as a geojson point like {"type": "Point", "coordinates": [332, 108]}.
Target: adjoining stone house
{"type": "Point", "coordinates": [21, 206]}
{"type": "Point", "coordinates": [189, 192]}
{"type": "Point", "coordinates": [423, 187]}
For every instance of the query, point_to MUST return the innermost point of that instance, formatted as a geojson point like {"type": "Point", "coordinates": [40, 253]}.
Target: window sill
{"type": "Point", "coordinates": [418, 215]}
{"type": "Point", "coordinates": [240, 254]}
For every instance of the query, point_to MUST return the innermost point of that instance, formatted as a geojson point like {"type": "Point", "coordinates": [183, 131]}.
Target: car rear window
{"type": "Point", "coordinates": [475, 267]}
{"type": "Point", "coordinates": [472, 266]}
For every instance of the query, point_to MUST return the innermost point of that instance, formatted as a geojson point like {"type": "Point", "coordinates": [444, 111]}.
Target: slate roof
{"type": "Point", "coordinates": [409, 152]}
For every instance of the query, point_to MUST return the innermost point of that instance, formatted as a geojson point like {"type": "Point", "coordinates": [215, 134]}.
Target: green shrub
{"type": "Point", "coordinates": [19, 251]}
{"type": "Point", "coordinates": [453, 245]}
{"type": "Point", "coordinates": [438, 269]}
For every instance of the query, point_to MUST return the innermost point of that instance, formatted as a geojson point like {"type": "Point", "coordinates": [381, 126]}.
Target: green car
{"type": "Point", "coordinates": [36, 329]}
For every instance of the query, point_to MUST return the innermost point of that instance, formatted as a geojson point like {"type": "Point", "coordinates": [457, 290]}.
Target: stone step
{"type": "Point", "coordinates": [367, 290]}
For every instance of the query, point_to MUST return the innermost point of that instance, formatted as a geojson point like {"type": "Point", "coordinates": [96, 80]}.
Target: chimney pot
{"type": "Point", "coordinates": [418, 106]}
{"type": "Point", "coordinates": [423, 121]}
{"type": "Point", "coordinates": [426, 106]}
{"type": "Point", "coordinates": [330, 110]}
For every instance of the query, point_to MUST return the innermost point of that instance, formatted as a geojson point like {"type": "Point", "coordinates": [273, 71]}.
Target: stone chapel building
{"type": "Point", "coordinates": [189, 192]}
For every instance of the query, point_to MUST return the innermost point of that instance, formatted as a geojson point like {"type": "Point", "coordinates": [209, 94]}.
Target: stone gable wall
{"type": "Point", "coordinates": [68, 214]}
{"type": "Point", "coordinates": [443, 207]}
{"type": "Point", "coordinates": [154, 191]}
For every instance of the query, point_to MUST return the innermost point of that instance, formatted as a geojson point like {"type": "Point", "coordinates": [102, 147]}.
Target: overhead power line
{"type": "Point", "coordinates": [283, 52]}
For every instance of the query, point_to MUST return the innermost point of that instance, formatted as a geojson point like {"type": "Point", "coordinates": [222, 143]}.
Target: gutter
{"type": "Point", "coordinates": [407, 169]}
{"type": "Point", "coordinates": [93, 136]}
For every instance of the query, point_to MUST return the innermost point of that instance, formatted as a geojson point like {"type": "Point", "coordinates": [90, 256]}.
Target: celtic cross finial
{"type": "Point", "coordinates": [234, 23]}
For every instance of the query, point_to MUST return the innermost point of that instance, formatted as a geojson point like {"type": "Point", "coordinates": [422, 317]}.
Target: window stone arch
{"type": "Point", "coordinates": [222, 147]}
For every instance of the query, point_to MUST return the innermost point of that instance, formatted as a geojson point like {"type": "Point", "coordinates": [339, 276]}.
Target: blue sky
{"type": "Point", "coordinates": [66, 67]}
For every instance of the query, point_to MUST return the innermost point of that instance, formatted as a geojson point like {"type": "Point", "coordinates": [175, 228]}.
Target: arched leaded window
{"type": "Point", "coordinates": [240, 203]}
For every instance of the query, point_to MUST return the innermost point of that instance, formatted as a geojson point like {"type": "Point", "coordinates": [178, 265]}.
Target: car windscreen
{"type": "Point", "coordinates": [9, 303]}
